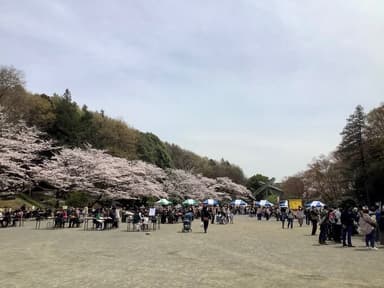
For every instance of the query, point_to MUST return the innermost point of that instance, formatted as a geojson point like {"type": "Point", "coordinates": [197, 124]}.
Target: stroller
{"type": "Point", "coordinates": [187, 223]}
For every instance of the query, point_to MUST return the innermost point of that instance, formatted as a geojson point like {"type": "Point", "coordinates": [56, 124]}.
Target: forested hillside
{"type": "Point", "coordinates": [74, 126]}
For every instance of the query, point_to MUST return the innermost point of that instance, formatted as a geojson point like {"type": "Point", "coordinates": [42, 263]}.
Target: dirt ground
{"type": "Point", "coordinates": [248, 253]}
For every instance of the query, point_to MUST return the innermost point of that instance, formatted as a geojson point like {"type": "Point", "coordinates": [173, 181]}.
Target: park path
{"type": "Point", "coordinates": [249, 253]}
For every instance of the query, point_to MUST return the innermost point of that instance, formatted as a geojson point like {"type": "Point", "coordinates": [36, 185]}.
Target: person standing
{"type": "Point", "coordinates": [347, 220]}
{"type": "Point", "coordinates": [283, 216]}
{"type": "Point", "coordinates": [116, 217]}
{"type": "Point", "coordinates": [324, 221]}
{"type": "Point", "coordinates": [337, 226]}
{"type": "Point", "coordinates": [367, 227]}
{"type": "Point", "coordinates": [205, 216]}
{"type": "Point", "coordinates": [212, 214]}
{"type": "Point", "coordinates": [380, 224]}
{"type": "Point", "coordinates": [278, 214]}
{"type": "Point", "coordinates": [377, 216]}
{"type": "Point", "coordinates": [300, 216]}
{"type": "Point", "coordinates": [259, 213]}
{"type": "Point", "coordinates": [314, 214]}
{"type": "Point", "coordinates": [85, 211]}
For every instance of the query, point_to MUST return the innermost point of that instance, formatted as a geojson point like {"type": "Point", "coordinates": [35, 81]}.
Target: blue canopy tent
{"type": "Point", "coordinates": [283, 204]}
{"type": "Point", "coordinates": [211, 202]}
{"type": "Point", "coordinates": [239, 202]}
{"type": "Point", "coordinates": [264, 203]}
{"type": "Point", "coordinates": [317, 204]}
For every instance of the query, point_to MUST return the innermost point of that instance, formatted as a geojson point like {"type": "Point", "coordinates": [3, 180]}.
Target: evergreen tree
{"type": "Point", "coordinates": [66, 125]}
{"type": "Point", "coordinates": [375, 153]}
{"type": "Point", "coordinates": [351, 151]}
{"type": "Point", "coordinates": [151, 149]}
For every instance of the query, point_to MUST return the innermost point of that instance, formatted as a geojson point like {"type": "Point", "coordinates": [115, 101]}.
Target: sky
{"type": "Point", "coordinates": [267, 85]}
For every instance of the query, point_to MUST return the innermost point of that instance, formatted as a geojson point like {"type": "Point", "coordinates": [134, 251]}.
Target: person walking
{"type": "Point", "coordinates": [283, 216]}
{"type": "Point", "coordinates": [307, 213]}
{"type": "Point", "coordinates": [290, 218]}
{"type": "Point", "coordinates": [367, 227]}
{"type": "Point", "coordinates": [205, 216]}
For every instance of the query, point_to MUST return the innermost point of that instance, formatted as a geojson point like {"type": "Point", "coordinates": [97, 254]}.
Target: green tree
{"type": "Point", "coordinates": [152, 150]}
{"type": "Point", "coordinates": [375, 153]}
{"type": "Point", "coordinates": [41, 111]}
{"type": "Point", "coordinates": [114, 135]}
{"type": "Point", "coordinates": [183, 159]}
{"type": "Point", "coordinates": [77, 199]}
{"type": "Point", "coordinates": [67, 121]}
{"type": "Point", "coordinates": [86, 129]}
{"type": "Point", "coordinates": [351, 151]}
{"type": "Point", "coordinates": [262, 187]}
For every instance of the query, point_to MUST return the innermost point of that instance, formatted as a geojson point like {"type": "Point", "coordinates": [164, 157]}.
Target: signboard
{"type": "Point", "coordinates": [152, 212]}
{"type": "Point", "coordinates": [294, 204]}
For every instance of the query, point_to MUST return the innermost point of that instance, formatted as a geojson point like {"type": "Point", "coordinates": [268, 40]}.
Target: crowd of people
{"type": "Point", "coordinates": [330, 224]}
{"type": "Point", "coordinates": [10, 217]}
{"type": "Point", "coordinates": [339, 225]}
{"type": "Point", "coordinates": [333, 224]}
{"type": "Point", "coordinates": [110, 217]}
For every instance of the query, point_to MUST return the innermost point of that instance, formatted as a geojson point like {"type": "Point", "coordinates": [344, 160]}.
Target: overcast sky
{"type": "Point", "coordinates": [266, 85]}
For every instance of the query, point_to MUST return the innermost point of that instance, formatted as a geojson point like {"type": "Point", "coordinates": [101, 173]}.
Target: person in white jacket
{"type": "Point", "coordinates": [367, 227]}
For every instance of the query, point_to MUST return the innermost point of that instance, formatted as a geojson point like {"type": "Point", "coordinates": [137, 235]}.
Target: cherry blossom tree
{"type": "Point", "coordinates": [182, 185]}
{"type": "Point", "coordinates": [231, 190]}
{"type": "Point", "coordinates": [96, 172]}
{"type": "Point", "coordinates": [21, 148]}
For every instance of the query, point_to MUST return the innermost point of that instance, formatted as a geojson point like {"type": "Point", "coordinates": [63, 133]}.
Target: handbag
{"type": "Point", "coordinates": [205, 218]}
{"type": "Point", "coordinates": [372, 224]}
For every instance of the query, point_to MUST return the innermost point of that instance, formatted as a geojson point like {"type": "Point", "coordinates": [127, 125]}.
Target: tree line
{"type": "Point", "coordinates": [354, 172]}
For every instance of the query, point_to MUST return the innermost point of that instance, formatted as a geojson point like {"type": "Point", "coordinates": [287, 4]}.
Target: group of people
{"type": "Point", "coordinates": [339, 225]}
{"type": "Point", "coordinates": [208, 214]}
{"type": "Point", "coordinates": [11, 217]}
{"type": "Point", "coordinates": [101, 217]}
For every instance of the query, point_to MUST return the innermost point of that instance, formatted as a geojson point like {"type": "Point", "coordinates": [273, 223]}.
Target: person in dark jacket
{"type": "Point", "coordinates": [205, 216]}
{"type": "Point", "coordinates": [324, 222]}
{"type": "Point", "coordinates": [314, 213]}
{"type": "Point", "coordinates": [347, 222]}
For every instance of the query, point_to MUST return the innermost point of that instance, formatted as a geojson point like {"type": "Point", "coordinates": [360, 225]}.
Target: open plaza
{"type": "Point", "coordinates": [248, 253]}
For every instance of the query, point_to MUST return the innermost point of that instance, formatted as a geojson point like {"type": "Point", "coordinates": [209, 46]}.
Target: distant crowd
{"type": "Point", "coordinates": [338, 225]}
{"type": "Point", "coordinates": [331, 224]}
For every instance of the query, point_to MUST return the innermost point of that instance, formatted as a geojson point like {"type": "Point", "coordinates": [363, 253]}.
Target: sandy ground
{"type": "Point", "coordinates": [249, 253]}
